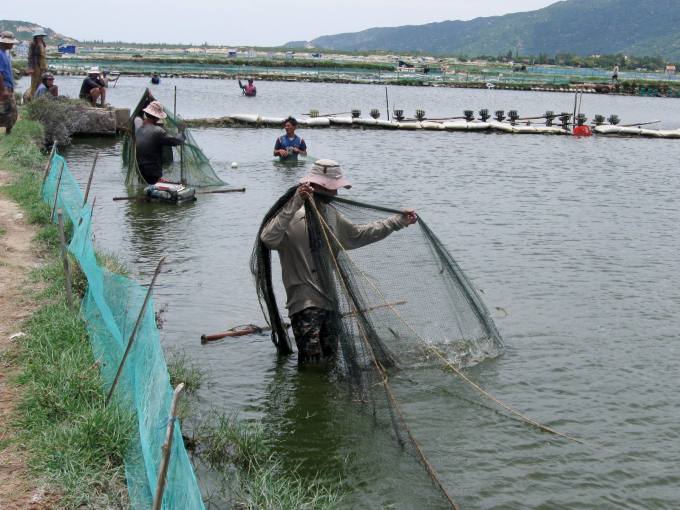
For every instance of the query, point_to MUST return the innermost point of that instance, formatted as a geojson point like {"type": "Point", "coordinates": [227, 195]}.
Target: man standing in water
{"type": "Point", "coordinates": [309, 307]}
{"type": "Point", "coordinates": [289, 146]}
{"type": "Point", "coordinates": [249, 90]}
{"type": "Point", "coordinates": [150, 138]}
{"type": "Point", "coordinates": [615, 74]}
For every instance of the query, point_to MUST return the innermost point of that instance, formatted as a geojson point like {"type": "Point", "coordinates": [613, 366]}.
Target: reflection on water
{"type": "Point", "coordinates": [575, 238]}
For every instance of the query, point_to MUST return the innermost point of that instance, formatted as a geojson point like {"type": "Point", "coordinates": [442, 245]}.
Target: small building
{"type": "Point", "coordinates": [271, 54]}
{"type": "Point", "coordinates": [67, 48]}
{"type": "Point", "coordinates": [232, 54]}
{"type": "Point", "coordinates": [670, 70]}
{"type": "Point", "coordinates": [251, 53]}
{"type": "Point", "coordinates": [22, 48]}
{"type": "Point", "coordinates": [316, 55]}
{"type": "Point", "coordinates": [289, 54]}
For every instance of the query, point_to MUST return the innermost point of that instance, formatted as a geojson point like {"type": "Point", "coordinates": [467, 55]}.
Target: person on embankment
{"type": "Point", "coordinates": [150, 138]}
{"type": "Point", "coordinates": [288, 146]}
{"type": "Point", "coordinates": [248, 89]}
{"type": "Point", "coordinates": [92, 88]}
{"type": "Point", "coordinates": [8, 103]}
{"type": "Point", "coordinates": [37, 65]}
{"type": "Point", "coordinates": [47, 87]}
{"type": "Point", "coordinates": [309, 306]}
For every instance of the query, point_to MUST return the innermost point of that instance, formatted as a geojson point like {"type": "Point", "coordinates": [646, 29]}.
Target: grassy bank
{"type": "Point", "coordinates": [75, 444]}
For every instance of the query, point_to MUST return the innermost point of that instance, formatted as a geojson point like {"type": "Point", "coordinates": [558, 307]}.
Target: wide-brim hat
{"type": "Point", "coordinates": [155, 109]}
{"type": "Point", "coordinates": [39, 31]}
{"type": "Point", "coordinates": [7, 37]}
{"type": "Point", "coordinates": [328, 174]}
{"type": "Point", "coordinates": [93, 70]}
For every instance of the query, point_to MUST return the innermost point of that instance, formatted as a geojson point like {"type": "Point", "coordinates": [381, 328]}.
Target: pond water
{"type": "Point", "coordinates": [577, 239]}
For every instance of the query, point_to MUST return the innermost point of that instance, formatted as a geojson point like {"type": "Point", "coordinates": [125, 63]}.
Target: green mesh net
{"type": "Point", "coordinates": [186, 163]}
{"type": "Point", "coordinates": [110, 308]}
{"type": "Point", "coordinates": [402, 303]}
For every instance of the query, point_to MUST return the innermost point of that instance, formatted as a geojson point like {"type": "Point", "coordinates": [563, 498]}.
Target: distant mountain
{"type": "Point", "coordinates": [24, 30]}
{"type": "Point", "coordinates": [583, 27]}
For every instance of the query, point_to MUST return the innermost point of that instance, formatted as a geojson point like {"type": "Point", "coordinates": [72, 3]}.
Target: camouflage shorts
{"type": "Point", "coordinates": [8, 110]}
{"type": "Point", "coordinates": [312, 334]}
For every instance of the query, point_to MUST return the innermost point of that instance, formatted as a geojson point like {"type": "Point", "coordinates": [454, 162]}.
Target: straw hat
{"type": "Point", "coordinates": [93, 70]}
{"type": "Point", "coordinates": [328, 174]}
{"type": "Point", "coordinates": [7, 37]}
{"type": "Point", "coordinates": [155, 109]}
{"type": "Point", "coordinates": [39, 31]}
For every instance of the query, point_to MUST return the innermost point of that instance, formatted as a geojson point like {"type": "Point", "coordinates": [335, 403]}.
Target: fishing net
{"type": "Point", "coordinates": [185, 163]}
{"type": "Point", "coordinates": [402, 303]}
{"type": "Point", "coordinates": [110, 308]}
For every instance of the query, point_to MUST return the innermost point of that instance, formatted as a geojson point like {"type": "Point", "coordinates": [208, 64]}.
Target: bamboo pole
{"type": "Point", "coordinates": [640, 123]}
{"type": "Point", "coordinates": [209, 192]}
{"type": "Point", "coordinates": [243, 332]}
{"type": "Point", "coordinates": [56, 191]}
{"type": "Point", "coordinates": [134, 331]}
{"type": "Point", "coordinates": [166, 449]}
{"type": "Point", "coordinates": [89, 182]}
{"type": "Point", "coordinates": [47, 167]}
{"type": "Point", "coordinates": [64, 258]}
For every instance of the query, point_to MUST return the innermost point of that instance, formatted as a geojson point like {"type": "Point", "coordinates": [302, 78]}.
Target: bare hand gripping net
{"type": "Point", "coordinates": [186, 163]}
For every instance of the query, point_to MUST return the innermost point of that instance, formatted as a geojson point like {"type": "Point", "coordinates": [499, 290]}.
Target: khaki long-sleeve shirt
{"type": "Point", "coordinates": [287, 233]}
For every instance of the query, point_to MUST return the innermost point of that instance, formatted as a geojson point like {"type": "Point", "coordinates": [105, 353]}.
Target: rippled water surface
{"type": "Point", "coordinates": [577, 239]}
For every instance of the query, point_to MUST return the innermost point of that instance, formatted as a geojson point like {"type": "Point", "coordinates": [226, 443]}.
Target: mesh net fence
{"type": "Point", "coordinates": [402, 303]}
{"type": "Point", "coordinates": [186, 163]}
{"type": "Point", "coordinates": [111, 307]}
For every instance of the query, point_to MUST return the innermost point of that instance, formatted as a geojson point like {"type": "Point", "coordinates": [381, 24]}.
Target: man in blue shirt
{"type": "Point", "coordinates": [290, 145]}
{"type": "Point", "coordinates": [8, 103]}
{"type": "Point", "coordinates": [47, 87]}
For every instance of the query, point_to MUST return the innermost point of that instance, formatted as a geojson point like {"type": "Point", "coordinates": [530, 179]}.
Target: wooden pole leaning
{"type": "Point", "coordinates": [47, 167]}
{"type": "Point", "coordinates": [64, 258]}
{"type": "Point", "coordinates": [134, 331]}
{"type": "Point", "coordinates": [166, 449]}
{"type": "Point", "coordinates": [89, 182]}
{"type": "Point", "coordinates": [56, 191]}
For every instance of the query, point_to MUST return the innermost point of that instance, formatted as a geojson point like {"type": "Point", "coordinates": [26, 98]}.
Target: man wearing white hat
{"type": "Point", "coordinates": [92, 88]}
{"type": "Point", "coordinates": [8, 103]}
{"type": "Point", "coordinates": [286, 232]}
{"type": "Point", "coordinates": [37, 64]}
{"type": "Point", "coordinates": [150, 138]}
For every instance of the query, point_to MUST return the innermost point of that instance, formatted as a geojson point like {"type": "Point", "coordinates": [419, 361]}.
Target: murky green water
{"type": "Point", "coordinates": [576, 239]}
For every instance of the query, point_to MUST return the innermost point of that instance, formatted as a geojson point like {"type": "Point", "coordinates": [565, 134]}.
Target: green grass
{"type": "Point", "coordinates": [247, 475]}
{"type": "Point", "coordinates": [75, 443]}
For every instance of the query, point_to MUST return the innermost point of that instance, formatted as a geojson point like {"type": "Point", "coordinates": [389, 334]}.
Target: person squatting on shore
{"type": "Point", "coordinates": [150, 138]}
{"type": "Point", "coordinates": [47, 87]}
{"type": "Point", "coordinates": [8, 103]}
{"type": "Point", "coordinates": [309, 308]}
{"type": "Point", "coordinates": [92, 88]}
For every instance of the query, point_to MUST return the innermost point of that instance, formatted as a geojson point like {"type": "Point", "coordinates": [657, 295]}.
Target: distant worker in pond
{"type": "Point", "coordinates": [150, 138]}
{"type": "Point", "coordinates": [615, 74]}
{"type": "Point", "coordinates": [47, 87]}
{"type": "Point", "coordinates": [93, 89]}
{"type": "Point", "coordinates": [37, 65]}
{"type": "Point", "coordinates": [106, 79]}
{"type": "Point", "coordinates": [288, 146]}
{"type": "Point", "coordinates": [155, 79]}
{"type": "Point", "coordinates": [8, 103]}
{"type": "Point", "coordinates": [309, 308]}
{"type": "Point", "coordinates": [249, 89]}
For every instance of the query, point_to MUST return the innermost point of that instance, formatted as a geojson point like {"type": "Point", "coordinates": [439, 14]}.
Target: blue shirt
{"type": "Point", "coordinates": [283, 142]}
{"type": "Point", "coordinates": [6, 70]}
{"type": "Point", "coordinates": [42, 89]}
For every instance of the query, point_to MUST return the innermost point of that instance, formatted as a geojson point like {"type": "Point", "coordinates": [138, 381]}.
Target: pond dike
{"type": "Point", "coordinates": [348, 122]}
{"type": "Point", "coordinates": [103, 121]}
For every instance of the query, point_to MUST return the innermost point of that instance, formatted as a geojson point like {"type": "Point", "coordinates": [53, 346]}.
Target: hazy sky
{"type": "Point", "coordinates": [247, 22]}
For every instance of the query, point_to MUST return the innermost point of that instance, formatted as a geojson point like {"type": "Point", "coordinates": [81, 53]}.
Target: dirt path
{"type": "Point", "coordinates": [17, 258]}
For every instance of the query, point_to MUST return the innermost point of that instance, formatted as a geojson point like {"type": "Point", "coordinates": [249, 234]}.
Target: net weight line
{"type": "Point", "coordinates": [326, 229]}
